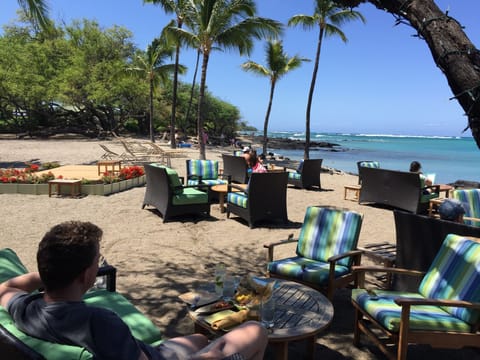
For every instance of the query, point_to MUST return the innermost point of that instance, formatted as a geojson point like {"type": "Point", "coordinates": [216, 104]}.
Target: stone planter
{"type": "Point", "coordinates": [91, 189]}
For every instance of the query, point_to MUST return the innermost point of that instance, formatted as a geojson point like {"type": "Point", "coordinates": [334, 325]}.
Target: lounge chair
{"type": "Point", "coordinates": [366, 163]}
{"type": "Point", "coordinates": [235, 168]}
{"type": "Point", "coordinates": [307, 175]}
{"type": "Point", "coordinates": [203, 172]}
{"type": "Point", "coordinates": [165, 192]}
{"type": "Point", "coordinates": [265, 198]}
{"type": "Point", "coordinates": [444, 312]}
{"type": "Point", "coordinates": [326, 250]}
{"type": "Point", "coordinates": [14, 344]}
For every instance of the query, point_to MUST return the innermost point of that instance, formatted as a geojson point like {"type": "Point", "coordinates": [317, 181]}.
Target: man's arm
{"type": "Point", "coordinates": [23, 283]}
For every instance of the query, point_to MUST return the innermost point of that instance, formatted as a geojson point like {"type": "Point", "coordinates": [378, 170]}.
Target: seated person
{"type": "Point", "coordinates": [67, 258]}
{"type": "Point", "coordinates": [254, 164]}
{"type": "Point", "coordinates": [452, 210]}
{"type": "Point", "coordinates": [416, 167]}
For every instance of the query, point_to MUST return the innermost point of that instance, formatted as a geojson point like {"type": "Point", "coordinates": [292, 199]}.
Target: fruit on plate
{"type": "Point", "coordinates": [252, 290]}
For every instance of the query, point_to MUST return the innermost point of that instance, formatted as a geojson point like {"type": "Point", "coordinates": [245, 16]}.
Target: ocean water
{"type": "Point", "coordinates": [450, 158]}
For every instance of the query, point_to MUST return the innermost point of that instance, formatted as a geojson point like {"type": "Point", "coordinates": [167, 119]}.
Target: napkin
{"type": "Point", "coordinates": [230, 320]}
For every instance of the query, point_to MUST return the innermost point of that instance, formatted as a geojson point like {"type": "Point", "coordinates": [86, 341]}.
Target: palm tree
{"type": "Point", "coordinates": [277, 65]}
{"type": "Point", "coordinates": [178, 7]}
{"type": "Point", "coordinates": [328, 16]}
{"type": "Point", "coordinates": [151, 66]}
{"type": "Point", "coordinates": [37, 11]}
{"type": "Point", "coordinates": [222, 24]}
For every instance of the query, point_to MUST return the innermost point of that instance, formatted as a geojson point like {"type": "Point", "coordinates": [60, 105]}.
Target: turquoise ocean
{"type": "Point", "coordinates": [450, 158]}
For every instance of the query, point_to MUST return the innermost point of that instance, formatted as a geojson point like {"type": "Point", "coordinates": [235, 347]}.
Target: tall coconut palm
{"type": "Point", "coordinates": [177, 7]}
{"type": "Point", "coordinates": [36, 10]}
{"type": "Point", "coordinates": [222, 24]}
{"type": "Point", "coordinates": [278, 64]}
{"type": "Point", "coordinates": [152, 67]}
{"type": "Point", "coordinates": [328, 17]}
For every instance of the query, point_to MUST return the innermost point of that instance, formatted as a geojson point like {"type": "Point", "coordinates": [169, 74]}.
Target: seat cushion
{"type": "Point", "coordinates": [300, 268]}
{"type": "Point", "coordinates": [294, 176]}
{"type": "Point", "coordinates": [190, 196]}
{"type": "Point", "coordinates": [10, 265]}
{"type": "Point", "coordinates": [455, 275]}
{"type": "Point", "coordinates": [381, 306]}
{"type": "Point", "coordinates": [238, 198]}
{"type": "Point", "coordinates": [207, 169]}
{"type": "Point", "coordinates": [370, 164]}
{"type": "Point", "coordinates": [209, 182]}
{"type": "Point", "coordinates": [425, 198]}
{"type": "Point", "coordinates": [327, 232]}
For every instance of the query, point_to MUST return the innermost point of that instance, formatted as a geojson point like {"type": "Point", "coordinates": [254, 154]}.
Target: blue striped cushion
{"type": "Point", "coordinates": [207, 169]}
{"type": "Point", "coordinates": [207, 182]}
{"type": "Point", "coordinates": [382, 307]}
{"type": "Point", "coordinates": [301, 268]}
{"type": "Point", "coordinates": [327, 232]}
{"type": "Point", "coordinates": [470, 199]}
{"type": "Point", "coordinates": [237, 153]}
{"type": "Point", "coordinates": [455, 275]}
{"type": "Point", "coordinates": [294, 176]}
{"type": "Point", "coordinates": [238, 198]}
{"type": "Point", "coordinates": [370, 164]}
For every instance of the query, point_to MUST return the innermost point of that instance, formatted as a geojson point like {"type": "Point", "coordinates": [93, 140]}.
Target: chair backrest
{"type": "Point", "coordinates": [366, 163]}
{"type": "Point", "coordinates": [235, 167]}
{"type": "Point", "coordinates": [423, 236]}
{"type": "Point", "coordinates": [206, 169]}
{"type": "Point", "coordinates": [471, 202]}
{"type": "Point", "coordinates": [173, 179]}
{"type": "Point", "coordinates": [455, 275]}
{"type": "Point", "coordinates": [327, 232]}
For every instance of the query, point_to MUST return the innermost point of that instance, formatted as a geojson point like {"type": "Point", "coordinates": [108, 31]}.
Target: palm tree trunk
{"type": "Point", "coordinates": [267, 116]}
{"type": "Point", "coordinates": [152, 138]}
{"type": "Point", "coordinates": [201, 97]}
{"type": "Point", "coordinates": [306, 154]}
{"type": "Point", "coordinates": [451, 49]}
{"type": "Point", "coordinates": [192, 90]}
{"type": "Point", "coordinates": [173, 144]}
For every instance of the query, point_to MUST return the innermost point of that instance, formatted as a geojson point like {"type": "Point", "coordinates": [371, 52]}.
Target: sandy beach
{"type": "Point", "coordinates": [156, 262]}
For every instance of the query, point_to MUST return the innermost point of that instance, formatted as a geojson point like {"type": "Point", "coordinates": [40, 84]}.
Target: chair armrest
{"type": "Point", "coordinates": [435, 188]}
{"type": "Point", "coordinates": [238, 187]}
{"type": "Point", "coordinates": [355, 253]}
{"type": "Point", "coordinates": [110, 272]}
{"type": "Point", "coordinates": [359, 272]}
{"type": "Point", "coordinates": [436, 302]}
{"type": "Point", "coordinates": [271, 246]}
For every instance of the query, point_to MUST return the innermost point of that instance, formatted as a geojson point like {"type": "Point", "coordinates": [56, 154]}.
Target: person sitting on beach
{"type": "Point", "coordinates": [416, 167]}
{"type": "Point", "coordinates": [254, 164]}
{"type": "Point", "coordinates": [68, 257]}
{"type": "Point", "coordinates": [452, 210]}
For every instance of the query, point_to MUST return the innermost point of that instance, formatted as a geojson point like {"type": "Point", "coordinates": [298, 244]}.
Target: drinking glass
{"type": "Point", "coordinates": [219, 277]}
{"type": "Point", "coordinates": [267, 312]}
{"type": "Point", "coordinates": [228, 288]}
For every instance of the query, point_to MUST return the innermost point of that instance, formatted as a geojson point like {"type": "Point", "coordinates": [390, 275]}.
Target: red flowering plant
{"type": "Point", "coordinates": [26, 175]}
{"type": "Point", "coordinates": [125, 173]}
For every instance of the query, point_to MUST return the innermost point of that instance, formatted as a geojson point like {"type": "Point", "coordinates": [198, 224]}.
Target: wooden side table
{"type": "Point", "coordinates": [109, 163]}
{"type": "Point", "coordinates": [355, 189]}
{"type": "Point", "coordinates": [383, 253]}
{"type": "Point", "coordinates": [73, 184]}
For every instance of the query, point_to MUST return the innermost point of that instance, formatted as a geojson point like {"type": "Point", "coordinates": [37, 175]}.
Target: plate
{"type": "Point", "coordinates": [199, 298]}
{"type": "Point", "coordinates": [210, 319]}
{"type": "Point", "coordinates": [215, 307]}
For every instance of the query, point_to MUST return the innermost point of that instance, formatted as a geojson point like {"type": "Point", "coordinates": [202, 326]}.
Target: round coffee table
{"type": "Point", "coordinates": [301, 313]}
{"type": "Point", "coordinates": [222, 190]}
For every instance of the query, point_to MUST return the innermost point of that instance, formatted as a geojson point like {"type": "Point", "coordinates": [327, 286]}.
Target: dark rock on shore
{"type": "Point", "coordinates": [290, 144]}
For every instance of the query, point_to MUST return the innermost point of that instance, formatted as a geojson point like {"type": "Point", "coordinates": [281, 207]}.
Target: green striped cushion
{"type": "Point", "coordinates": [471, 202]}
{"type": "Point", "coordinates": [238, 198]}
{"type": "Point", "coordinates": [301, 268]}
{"type": "Point", "coordinates": [455, 275]}
{"type": "Point", "coordinates": [382, 307]}
{"type": "Point", "coordinates": [10, 265]}
{"type": "Point", "coordinates": [190, 196]}
{"type": "Point", "coordinates": [173, 178]}
{"type": "Point", "coordinates": [294, 176]}
{"type": "Point", "coordinates": [327, 232]}
{"type": "Point", "coordinates": [370, 164]}
{"type": "Point", "coordinates": [237, 153]}
{"type": "Point", "coordinates": [207, 169]}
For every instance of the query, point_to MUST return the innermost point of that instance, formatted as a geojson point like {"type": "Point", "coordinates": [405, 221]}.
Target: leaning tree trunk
{"type": "Point", "coordinates": [267, 117]}
{"type": "Point", "coordinates": [201, 100]}
{"type": "Point", "coordinates": [451, 49]}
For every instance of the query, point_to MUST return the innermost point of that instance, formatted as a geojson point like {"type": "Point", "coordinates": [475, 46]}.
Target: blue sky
{"type": "Point", "coordinates": [382, 81]}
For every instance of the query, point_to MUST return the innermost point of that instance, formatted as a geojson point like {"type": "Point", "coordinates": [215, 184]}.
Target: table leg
{"type": "Point", "coordinates": [221, 201]}
{"type": "Point", "coordinates": [49, 190]}
{"type": "Point", "coordinates": [280, 350]}
{"type": "Point", "coordinates": [310, 344]}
